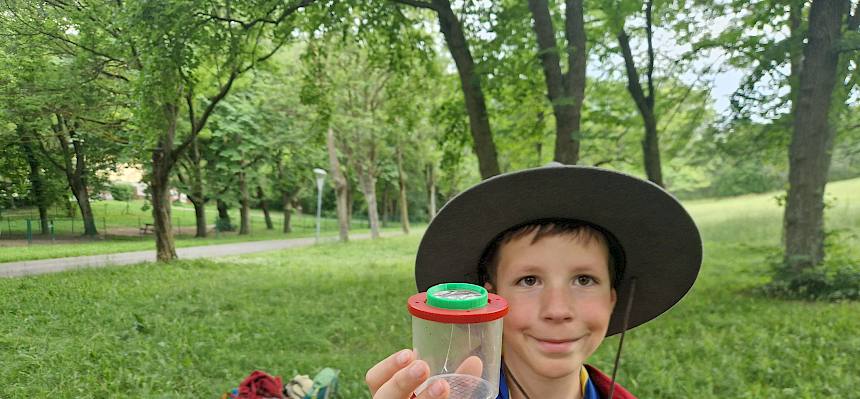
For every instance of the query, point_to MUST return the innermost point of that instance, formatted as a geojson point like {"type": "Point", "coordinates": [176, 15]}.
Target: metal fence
{"type": "Point", "coordinates": [115, 221]}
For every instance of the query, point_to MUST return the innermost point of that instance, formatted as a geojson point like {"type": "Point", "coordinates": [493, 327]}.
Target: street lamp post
{"type": "Point", "coordinates": [320, 175]}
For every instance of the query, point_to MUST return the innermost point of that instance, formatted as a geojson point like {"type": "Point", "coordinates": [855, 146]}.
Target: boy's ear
{"type": "Point", "coordinates": [614, 298]}
{"type": "Point", "coordinates": [489, 287]}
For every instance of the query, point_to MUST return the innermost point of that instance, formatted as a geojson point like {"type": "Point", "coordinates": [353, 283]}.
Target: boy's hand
{"type": "Point", "coordinates": [399, 375]}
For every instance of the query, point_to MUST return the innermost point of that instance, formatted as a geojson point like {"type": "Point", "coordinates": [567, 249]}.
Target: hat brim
{"type": "Point", "coordinates": [661, 244]}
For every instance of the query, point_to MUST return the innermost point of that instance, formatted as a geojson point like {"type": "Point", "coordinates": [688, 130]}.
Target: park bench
{"type": "Point", "coordinates": [147, 228]}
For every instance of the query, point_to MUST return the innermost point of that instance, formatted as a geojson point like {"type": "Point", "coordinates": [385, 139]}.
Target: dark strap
{"type": "Point", "coordinates": [623, 331]}
{"type": "Point", "coordinates": [514, 380]}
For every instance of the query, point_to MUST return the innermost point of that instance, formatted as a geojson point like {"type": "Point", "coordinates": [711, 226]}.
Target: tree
{"type": "Point", "coordinates": [470, 83]}
{"type": "Point", "coordinates": [565, 91]}
{"type": "Point", "coordinates": [66, 118]}
{"type": "Point", "coordinates": [191, 175]}
{"type": "Point", "coordinates": [618, 12]}
{"type": "Point", "coordinates": [179, 56]}
{"type": "Point", "coordinates": [813, 135]}
{"type": "Point", "coordinates": [340, 186]}
{"type": "Point", "coordinates": [811, 108]}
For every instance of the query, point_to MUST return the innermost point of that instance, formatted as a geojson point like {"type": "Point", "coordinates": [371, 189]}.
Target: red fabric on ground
{"type": "Point", "coordinates": [260, 385]}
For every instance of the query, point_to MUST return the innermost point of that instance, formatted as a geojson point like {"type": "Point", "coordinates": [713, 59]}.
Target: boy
{"type": "Point", "coordinates": [579, 253]}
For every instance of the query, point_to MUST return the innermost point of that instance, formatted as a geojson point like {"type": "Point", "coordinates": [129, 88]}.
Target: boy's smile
{"type": "Point", "coordinates": [560, 295]}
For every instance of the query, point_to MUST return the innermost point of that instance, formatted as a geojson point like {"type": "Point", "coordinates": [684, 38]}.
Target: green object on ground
{"type": "Point", "coordinates": [325, 384]}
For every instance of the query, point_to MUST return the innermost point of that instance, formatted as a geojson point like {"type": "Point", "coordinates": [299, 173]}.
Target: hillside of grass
{"type": "Point", "coordinates": [196, 328]}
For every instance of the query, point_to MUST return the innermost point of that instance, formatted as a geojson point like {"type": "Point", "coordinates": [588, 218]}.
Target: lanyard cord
{"type": "Point", "coordinates": [623, 330]}
{"type": "Point", "coordinates": [514, 380]}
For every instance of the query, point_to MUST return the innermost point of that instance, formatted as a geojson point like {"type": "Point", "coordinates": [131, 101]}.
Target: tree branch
{"type": "Point", "coordinates": [80, 159]}
{"type": "Point", "coordinates": [246, 25]}
{"type": "Point", "coordinates": [417, 3]}
{"type": "Point", "coordinates": [197, 126]}
{"type": "Point", "coordinates": [46, 153]}
{"type": "Point", "coordinates": [263, 58]}
{"type": "Point", "coordinates": [633, 83]}
{"type": "Point", "coordinates": [64, 145]}
{"type": "Point", "coordinates": [189, 99]}
{"type": "Point", "coordinates": [649, 32]}
{"type": "Point", "coordinates": [66, 40]}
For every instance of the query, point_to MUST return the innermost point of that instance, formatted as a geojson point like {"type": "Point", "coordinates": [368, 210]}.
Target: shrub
{"type": "Point", "coordinates": [224, 224]}
{"type": "Point", "coordinates": [122, 191]}
{"type": "Point", "coordinates": [837, 278]}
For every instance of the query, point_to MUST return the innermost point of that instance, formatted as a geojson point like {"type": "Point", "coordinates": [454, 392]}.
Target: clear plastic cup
{"type": "Point", "coordinates": [457, 330]}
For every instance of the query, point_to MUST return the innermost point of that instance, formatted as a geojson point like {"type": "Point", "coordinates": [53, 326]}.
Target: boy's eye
{"type": "Point", "coordinates": [528, 281]}
{"type": "Point", "coordinates": [585, 280]}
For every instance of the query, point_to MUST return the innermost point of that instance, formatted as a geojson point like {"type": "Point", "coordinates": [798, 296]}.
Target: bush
{"type": "Point", "coordinates": [224, 224]}
{"type": "Point", "coordinates": [122, 191]}
{"type": "Point", "coordinates": [837, 278]}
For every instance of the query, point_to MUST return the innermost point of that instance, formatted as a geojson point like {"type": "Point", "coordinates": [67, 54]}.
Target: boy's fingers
{"type": "Point", "coordinates": [439, 389]}
{"type": "Point", "coordinates": [404, 382]}
{"type": "Point", "coordinates": [472, 366]}
{"type": "Point", "coordinates": [384, 370]}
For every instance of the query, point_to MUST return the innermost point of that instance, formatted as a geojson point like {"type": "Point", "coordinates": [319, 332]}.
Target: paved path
{"type": "Point", "coordinates": [31, 267]}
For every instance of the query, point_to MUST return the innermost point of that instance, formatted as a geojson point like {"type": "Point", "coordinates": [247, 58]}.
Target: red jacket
{"type": "Point", "coordinates": [603, 383]}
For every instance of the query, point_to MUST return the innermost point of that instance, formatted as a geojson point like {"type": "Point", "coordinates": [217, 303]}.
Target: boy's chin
{"type": "Point", "coordinates": [558, 369]}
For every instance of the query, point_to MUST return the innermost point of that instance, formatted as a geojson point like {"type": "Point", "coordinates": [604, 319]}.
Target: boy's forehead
{"type": "Point", "coordinates": [526, 244]}
{"type": "Point", "coordinates": [533, 234]}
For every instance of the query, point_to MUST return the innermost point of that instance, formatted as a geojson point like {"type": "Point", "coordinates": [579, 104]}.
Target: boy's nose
{"type": "Point", "coordinates": [557, 305]}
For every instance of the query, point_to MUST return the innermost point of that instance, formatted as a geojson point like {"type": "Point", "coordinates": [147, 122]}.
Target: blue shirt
{"type": "Point", "coordinates": [589, 392]}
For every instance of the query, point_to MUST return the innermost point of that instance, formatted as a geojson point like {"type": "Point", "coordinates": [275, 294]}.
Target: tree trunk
{"type": "Point", "coordinates": [81, 193]}
{"type": "Point", "coordinates": [288, 212]}
{"type": "Point", "coordinates": [479, 120]}
{"type": "Point", "coordinates": [265, 207]}
{"type": "Point", "coordinates": [286, 195]}
{"type": "Point", "coordinates": [431, 191]}
{"type": "Point", "coordinates": [368, 188]}
{"type": "Point", "coordinates": [244, 205]}
{"type": "Point", "coordinates": [76, 173]}
{"type": "Point", "coordinates": [197, 196]}
{"type": "Point", "coordinates": [645, 104]}
{"type": "Point", "coordinates": [565, 92]}
{"type": "Point", "coordinates": [224, 223]}
{"type": "Point", "coordinates": [404, 206]}
{"type": "Point", "coordinates": [812, 138]}
{"type": "Point", "coordinates": [341, 189]}
{"type": "Point", "coordinates": [199, 217]}
{"type": "Point", "coordinates": [37, 183]}
{"type": "Point", "coordinates": [795, 50]}
{"type": "Point", "coordinates": [386, 207]}
{"type": "Point", "coordinates": [349, 203]}
{"type": "Point", "coordinates": [43, 220]}
{"type": "Point", "coordinates": [160, 190]}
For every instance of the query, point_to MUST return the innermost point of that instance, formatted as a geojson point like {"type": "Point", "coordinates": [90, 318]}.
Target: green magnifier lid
{"type": "Point", "coordinates": [457, 296]}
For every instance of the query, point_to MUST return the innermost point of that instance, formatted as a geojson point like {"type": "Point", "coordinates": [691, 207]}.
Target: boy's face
{"type": "Point", "coordinates": [560, 298]}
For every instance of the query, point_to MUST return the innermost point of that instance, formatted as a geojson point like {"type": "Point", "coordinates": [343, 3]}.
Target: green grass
{"type": "Point", "coordinates": [196, 328]}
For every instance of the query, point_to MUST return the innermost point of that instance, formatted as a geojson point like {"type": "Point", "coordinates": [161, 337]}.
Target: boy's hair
{"type": "Point", "coordinates": [583, 231]}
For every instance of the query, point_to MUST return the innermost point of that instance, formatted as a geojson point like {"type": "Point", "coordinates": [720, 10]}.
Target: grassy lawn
{"type": "Point", "coordinates": [196, 328]}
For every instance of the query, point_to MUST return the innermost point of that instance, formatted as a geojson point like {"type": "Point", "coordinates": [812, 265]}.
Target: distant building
{"type": "Point", "coordinates": [133, 175]}
{"type": "Point", "coordinates": [127, 174]}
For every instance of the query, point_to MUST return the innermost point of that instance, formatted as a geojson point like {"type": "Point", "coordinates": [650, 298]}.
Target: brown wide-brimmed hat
{"type": "Point", "coordinates": [661, 246]}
